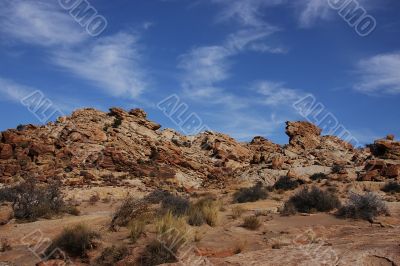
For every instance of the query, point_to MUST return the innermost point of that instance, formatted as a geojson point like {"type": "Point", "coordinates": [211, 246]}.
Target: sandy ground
{"type": "Point", "coordinates": [279, 241]}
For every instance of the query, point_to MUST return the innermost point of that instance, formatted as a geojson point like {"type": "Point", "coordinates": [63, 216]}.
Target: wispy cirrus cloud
{"type": "Point", "coordinates": [13, 91]}
{"type": "Point", "coordinates": [277, 94]}
{"type": "Point", "coordinates": [246, 12]}
{"type": "Point", "coordinates": [310, 11]}
{"type": "Point", "coordinates": [111, 63]}
{"type": "Point", "coordinates": [379, 74]}
{"type": "Point", "coordinates": [39, 22]}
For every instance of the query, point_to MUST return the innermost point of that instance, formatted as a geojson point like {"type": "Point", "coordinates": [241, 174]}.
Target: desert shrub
{"type": "Point", "coordinates": [130, 209]}
{"type": "Point", "coordinates": [172, 231]}
{"type": "Point", "coordinates": [136, 228]}
{"type": "Point", "coordinates": [367, 207]}
{"type": "Point", "coordinates": [94, 198]}
{"type": "Point", "coordinates": [286, 183]}
{"type": "Point", "coordinates": [312, 200]}
{"type": "Point", "coordinates": [195, 216]}
{"type": "Point", "coordinates": [288, 209]}
{"type": "Point", "coordinates": [111, 255]}
{"type": "Point", "coordinates": [73, 210]}
{"type": "Point", "coordinates": [117, 122]}
{"type": "Point", "coordinates": [31, 201]}
{"type": "Point", "coordinates": [205, 210]}
{"type": "Point", "coordinates": [251, 223]}
{"type": "Point", "coordinates": [391, 187]}
{"type": "Point", "coordinates": [237, 212]}
{"type": "Point", "coordinates": [75, 241]}
{"type": "Point", "coordinates": [251, 194]}
{"type": "Point", "coordinates": [176, 204]}
{"type": "Point", "coordinates": [337, 168]}
{"type": "Point", "coordinates": [156, 253]}
{"type": "Point", "coordinates": [318, 176]}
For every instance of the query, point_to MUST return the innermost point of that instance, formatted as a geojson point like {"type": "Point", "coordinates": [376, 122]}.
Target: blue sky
{"type": "Point", "coordinates": [238, 65]}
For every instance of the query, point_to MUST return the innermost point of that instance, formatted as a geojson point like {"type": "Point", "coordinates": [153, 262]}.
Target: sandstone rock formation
{"type": "Point", "coordinates": [95, 147]}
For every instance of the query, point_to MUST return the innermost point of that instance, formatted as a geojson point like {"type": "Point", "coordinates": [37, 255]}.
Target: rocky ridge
{"type": "Point", "coordinates": [94, 147]}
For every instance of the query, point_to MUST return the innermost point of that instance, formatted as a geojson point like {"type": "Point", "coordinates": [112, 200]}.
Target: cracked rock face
{"type": "Point", "coordinates": [127, 143]}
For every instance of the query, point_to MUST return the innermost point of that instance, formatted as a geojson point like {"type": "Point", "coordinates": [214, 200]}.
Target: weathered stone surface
{"type": "Point", "coordinates": [386, 149]}
{"type": "Point", "coordinates": [88, 140]}
{"type": "Point", "coordinates": [6, 151]}
{"type": "Point", "coordinates": [6, 213]}
{"type": "Point", "coordinates": [303, 135]}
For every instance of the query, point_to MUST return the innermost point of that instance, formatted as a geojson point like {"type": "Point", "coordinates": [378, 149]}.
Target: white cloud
{"type": "Point", "coordinates": [379, 74]}
{"type": "Point", "coordinates": [39, 22]}
{"type": "Point", "coordinates": [312, 10]}
{"type": "Point", "coordinates": [276, 94]}
{"type": "Point", "coordinates": [13, 91]}
{"type": "Point", "coordinates": [263, 48]}
{"type": "Point", "coordinates": [246, 12]}
{"type": "Point", "coordinates": [111, 63]}
{"type": "Point", "coordinates": [16, 92]}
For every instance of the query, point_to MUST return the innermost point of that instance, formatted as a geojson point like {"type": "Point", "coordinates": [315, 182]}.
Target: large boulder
{"type": "Point", "coordinates": [386, 149]}
{"type": "Point", "coordinates": [303, 135]}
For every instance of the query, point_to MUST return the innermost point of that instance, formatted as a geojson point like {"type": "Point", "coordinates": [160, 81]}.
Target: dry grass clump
{"type": "Point", "coordinates": [366, 207]}
{"type": "Point", "coordinates": [136, 229]}
{"type": "Point", "coordinates": [172, 233]}
{"type": "Point", "coordinates": [111, 255]}
{"type": "Point", "coordinates": [204, 211]}
{"type": "Point", "coordinates": [156, 253]}
{"type": "Point", "coordinates": [75, 241]}
{"type": "Point", "coordinates": [251, 223]}
{"type": "Point", "coordinates": [130, 209]}
{"type": "Point", "coordinates": [237, 212]}
{"type": "Point", "coordinates": [311, 200]}
{"type": "Point", "coordinates": [251, 194]}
